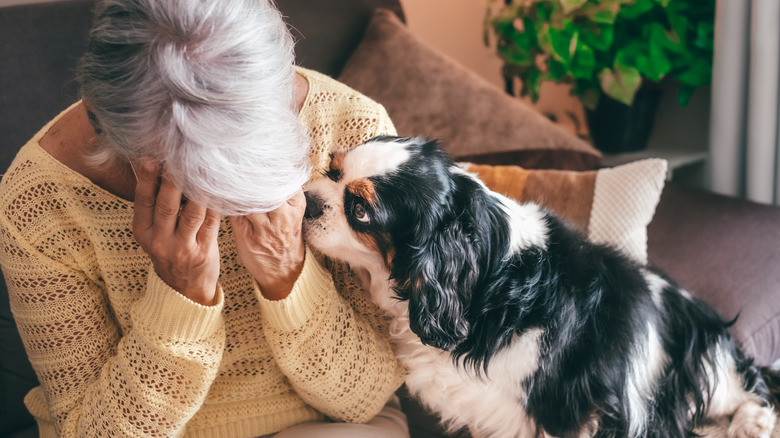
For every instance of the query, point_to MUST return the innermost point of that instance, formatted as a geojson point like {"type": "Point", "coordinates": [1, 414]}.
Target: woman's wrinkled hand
{"type": "Point", "coordinates": [270, 245]}
{"type": "Point", "coordinates": [180, 239]}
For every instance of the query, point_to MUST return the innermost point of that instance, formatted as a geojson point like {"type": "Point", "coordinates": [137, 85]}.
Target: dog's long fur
{"type": "Point", "coordinates": [513, 324]}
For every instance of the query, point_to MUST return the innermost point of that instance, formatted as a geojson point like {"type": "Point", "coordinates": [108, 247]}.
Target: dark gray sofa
{"type": "Point", "coordinates": [726, 251]}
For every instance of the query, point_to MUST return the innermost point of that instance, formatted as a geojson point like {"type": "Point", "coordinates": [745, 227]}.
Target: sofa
{"type": "Point", "coordinates": [726, 251]}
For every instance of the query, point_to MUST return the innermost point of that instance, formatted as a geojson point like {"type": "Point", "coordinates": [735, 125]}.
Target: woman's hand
{"type": "Point", "coordinates": [270, 245]}
{"type": "Point", "coordinates": [180, 239]}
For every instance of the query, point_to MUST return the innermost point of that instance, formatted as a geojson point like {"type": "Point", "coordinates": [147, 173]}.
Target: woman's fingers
{"type": "Point", "coordinates": [148, 173]}
{"type": "Point", "coordinates": [209, 229]}
{"type": "Point", "coordinates": [191, 217]}
{"type": "Point", "coordinates": [158, 204]}
{"type": "Point", "coordinates": [181, 240]}
{"type": "Point", "coordinates": [167, 207]}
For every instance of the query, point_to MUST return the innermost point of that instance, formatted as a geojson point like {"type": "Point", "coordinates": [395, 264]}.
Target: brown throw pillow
{"type": "Point", "coordinates": [428, 94]}
{"type": "Point", "coordinates": [612, 206]}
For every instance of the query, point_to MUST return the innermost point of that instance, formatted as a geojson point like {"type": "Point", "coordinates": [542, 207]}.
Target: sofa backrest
{"type": "Point", "coordinates": [327, 32]}
{"type": "Point", "coordinates": [39, 47]}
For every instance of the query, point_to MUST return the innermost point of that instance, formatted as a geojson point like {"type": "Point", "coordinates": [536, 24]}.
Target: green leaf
{"type": "Point", "coordinates": [524, 40]}
{"type": "Point", "coordinates": [534, 84]}
{"type": "Point", "coordinates": [531, 28]}
{"type": "Point", "coordinates": [659, 64]}
{"type": "Point", "coordinates": [570, 5]}
{"type": "Point", "coordinates": [648, 58]}
{"type": "Point", "coordinates": [679, 25]}
{"type": "Point", "coordinates": [599, 37]}
{"type": "Point", "coordinates": [704, 36]}
{"type": "Point", "coordinates": [703, 66]}
{"type": "Point", "coordinates": [636, 9]}
{"type": "Point", "coordinates": [662, 37]}
{"type": "Point", "coordinates": [604, 12]}
{"type": "Point", "coordinates": [544, 11]}
{"type": "Point", "coordinates": [621, 83]}
{"type": "Point", "coordinates": [544, 39]}
{"type": "Point", "coordinates": [515, 55]}
{"type": "Point", "coordinates": [634, 53]}
{"type": "Point", "coordinates": [561, 42]}
{"type": "Point", "coordinates": [684, 94]}
{"type": "Point", "coordinates": [583, 63]}
{"type": "Point", "coordinates": [698, 73]}
{"type": "Point", "coordinates": [516, 45]}
{"type": "Point", "coordinates": [531, 80]}
{"type": "Point", "coordinates": [557, 70]}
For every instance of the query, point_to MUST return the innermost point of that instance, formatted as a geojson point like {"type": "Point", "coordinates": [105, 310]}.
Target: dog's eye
{"type": "Point", "coordinates": [359, 211]}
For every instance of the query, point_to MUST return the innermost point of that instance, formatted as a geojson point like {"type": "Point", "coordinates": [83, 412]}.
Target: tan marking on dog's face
{"type": "Point", "coordinates": [389, 256]}
{"type": "Point", "coordinates": [364, 189]}
{"type": "Point", "coordinates": [336, 170]}
{"type": "Point", "coordinates": [380, 244]}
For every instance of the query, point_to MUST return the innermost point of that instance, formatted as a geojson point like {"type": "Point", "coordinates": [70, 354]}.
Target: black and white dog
{"type": "Point", "coordinates": [514, 325]}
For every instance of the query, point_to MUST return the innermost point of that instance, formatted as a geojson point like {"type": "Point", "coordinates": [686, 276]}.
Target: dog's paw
{"type": "Point", "coordinates": [752, 420]}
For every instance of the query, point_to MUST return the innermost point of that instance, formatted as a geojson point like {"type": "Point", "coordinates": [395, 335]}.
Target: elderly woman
{"type": "Point", "coordinates": [145, 312]}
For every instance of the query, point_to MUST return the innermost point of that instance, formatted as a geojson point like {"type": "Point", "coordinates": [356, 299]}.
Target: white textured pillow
{"type": "Point", "coordinates": [624, 204]}
{"type": "Point", "coordinates": [612, 206]}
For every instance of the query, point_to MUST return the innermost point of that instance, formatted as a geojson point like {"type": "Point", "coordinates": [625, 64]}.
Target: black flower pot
{"type": "Point", "coordinates": [616, 127]}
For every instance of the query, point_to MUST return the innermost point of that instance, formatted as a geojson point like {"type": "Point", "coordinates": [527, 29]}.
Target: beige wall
{"type": "Point", "coordinates": [456, 28]}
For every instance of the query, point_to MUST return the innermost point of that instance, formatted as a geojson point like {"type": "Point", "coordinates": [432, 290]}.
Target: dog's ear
{"type": "Point", "coordinates": [437, 283]}
{"type": "Point", "coordinates": [454, 238]}
{"type": "Point", "coordinates": [448, 258]}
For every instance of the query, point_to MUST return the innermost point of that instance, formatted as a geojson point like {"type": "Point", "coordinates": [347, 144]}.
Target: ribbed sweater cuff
{"type": "Point", "coordinates": [171, 315]}
{"type": "Point", "coordinates": [312, 288]}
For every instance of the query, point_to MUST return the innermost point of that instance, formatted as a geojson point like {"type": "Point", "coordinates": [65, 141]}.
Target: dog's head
{"type": "Point", "coordinates": [400, 206]}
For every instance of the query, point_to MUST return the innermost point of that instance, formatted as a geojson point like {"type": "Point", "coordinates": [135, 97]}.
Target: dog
{"type": "Point", "coordinates": [510, 322]}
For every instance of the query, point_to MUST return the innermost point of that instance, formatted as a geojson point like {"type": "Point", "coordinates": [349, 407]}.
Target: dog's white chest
{"type": "Point", "coordinates": [491, 405]}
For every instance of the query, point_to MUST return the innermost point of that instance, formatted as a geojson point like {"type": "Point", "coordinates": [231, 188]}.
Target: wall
{"type": "Point", "coordinates": [456, 28]}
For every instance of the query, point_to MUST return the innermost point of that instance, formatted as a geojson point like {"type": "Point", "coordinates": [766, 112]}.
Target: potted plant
{"type": "Point", "coordinates": [614, 53]}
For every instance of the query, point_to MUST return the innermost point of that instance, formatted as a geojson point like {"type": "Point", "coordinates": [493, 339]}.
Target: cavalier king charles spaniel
{"type": "Point", "coordinates": [513, 324]}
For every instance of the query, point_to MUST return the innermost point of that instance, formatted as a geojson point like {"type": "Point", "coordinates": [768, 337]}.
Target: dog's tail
{"type": "Point", "coordinates": [772, 379]}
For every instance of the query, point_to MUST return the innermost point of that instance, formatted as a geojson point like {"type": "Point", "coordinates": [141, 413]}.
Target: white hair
{"type": "Point", "coordinates": [207, 88]}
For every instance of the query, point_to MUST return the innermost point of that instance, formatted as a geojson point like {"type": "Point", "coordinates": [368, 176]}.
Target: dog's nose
{"type": "Point", "coordinates": [313, 206]}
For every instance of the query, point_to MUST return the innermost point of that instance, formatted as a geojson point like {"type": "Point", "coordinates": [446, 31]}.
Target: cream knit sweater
{"type": "Point", "coordinates": [119, 353]}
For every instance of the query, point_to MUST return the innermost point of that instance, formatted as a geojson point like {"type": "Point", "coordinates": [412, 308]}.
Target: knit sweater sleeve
{"type": "Point", "coordinates": [327, 337]}
{"type": "Point", "coordinates": [336, 357]}
{"type": "Point", "coordinates": [146, 378]}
